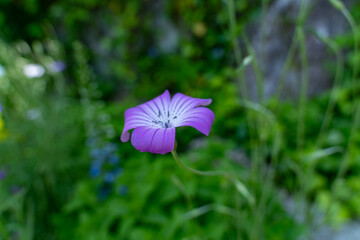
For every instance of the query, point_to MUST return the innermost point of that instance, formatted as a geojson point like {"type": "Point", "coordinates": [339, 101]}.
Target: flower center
{"type": "Point", "coordinates": [164, 120]}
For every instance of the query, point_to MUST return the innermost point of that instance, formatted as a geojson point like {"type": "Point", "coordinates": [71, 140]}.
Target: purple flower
{"type": "Point", "coordinates": [154, 122]}
{"type": "Point", "coordinates": [2, 174]}
{"type": "Point", "coordinates": [15, 189]}
{"type": "Point", "coordinates": [57, 66]}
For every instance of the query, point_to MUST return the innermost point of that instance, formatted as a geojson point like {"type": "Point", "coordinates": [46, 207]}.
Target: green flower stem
{"type": "Point", "coordinates": [202, 173]}
{"type": "Point", "coordinates": [240, 187]}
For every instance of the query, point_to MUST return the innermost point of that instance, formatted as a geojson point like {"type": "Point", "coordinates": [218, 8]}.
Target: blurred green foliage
{"type": "Point", "coordinates": [114, 60]}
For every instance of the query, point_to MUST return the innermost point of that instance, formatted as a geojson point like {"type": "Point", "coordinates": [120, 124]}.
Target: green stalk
{"type": "Point", "coordinates": [240, 187]}
{"type": "Point", "coordinates": [355, 32]}
{"type": "Point", "coordinates": [303, 87]}
{"type": "Point", "coordinates": [237, 50]}
{"type": "Point", "coordinates": [264, 175]}
{"type": "Point", "coordinates": [356, 115]}
{"type": "Point", "coordinates": [301, 126]}
{"type": "Point", "coordinates": [241, 64]}
{"type": "Point", "coordinates": [339, 72]}
{"type": "Point", "coordinates": [264, 7]}
{"type": "Point", "coordinates": [201, 173]}
{"type": "Point", "coordinates": [258, 73]}
{"type": "Point", "coordinates": [289, 57]}
{"type": "Point", "coordinates": [303, 14]}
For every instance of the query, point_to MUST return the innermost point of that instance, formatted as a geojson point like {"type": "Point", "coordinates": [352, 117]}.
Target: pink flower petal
{"type": "Point", "coordinates": [200, 118]}
{"type": "Point", "coordinates": [157, 106]}
{"type": "Point", "coordinates": [181, 103]}
{"type": "Point", "coordinates": [154, 140]}
{"type": "Point", "coordinates": [154, 122]}
{"type": "Point", "coordinates": [134, 117]}
{"type": "Point", "coordinates": [145, 114]}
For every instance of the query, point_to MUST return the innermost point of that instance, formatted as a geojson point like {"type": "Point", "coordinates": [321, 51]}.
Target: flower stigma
{"type": "Point", "coordinates": [164, 120]}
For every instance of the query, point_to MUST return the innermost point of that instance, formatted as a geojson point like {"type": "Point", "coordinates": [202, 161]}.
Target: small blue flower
{"type": "Point", "coordinates": [15, 189]}
{"type": "Point", "coordinates": [109, 177]}
{"type": "Point", "coordinates": [91, 142]}
{"type": "Point", "coordinates": [113, 159]}
{"type": "Point", "coordinates": [98, 154]}
{"type": "Point", "coordinates": [105, 165]}
{"type": "Point", "coordinates": [2, 71]}
{"type": "Point", "coordinates": [110, 148]}
{"type": "Point", "coordinates": [122, 190]}
{"type": "Point", "coordinates": [95, 170]}
{"type": "Point", "coordinates": [98, 162]}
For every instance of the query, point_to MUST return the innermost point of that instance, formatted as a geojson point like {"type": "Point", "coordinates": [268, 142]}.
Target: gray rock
{"type": "Point", "coordinates": [166, 34]}
{"type": "Point", "coordinates": [277, 35]}
{"type": "Point", "coordinates": [320, 230]}
{"type": "Point", "coordinates": [349, 231]}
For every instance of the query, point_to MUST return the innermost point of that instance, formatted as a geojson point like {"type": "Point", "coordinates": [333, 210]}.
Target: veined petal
{"type": "Point", "coordinates": [157, 106]}
{"type": "Point", "coordinates": [134, 117]}
{"type": "Point", "coordinates": [154, 140]}
{"type": "Point", "coordinates": [181, 103]}
{"type": "Point", "coordinates": [145, 114]}
{"type": "Point", "coordinates": [154, 122]}
{"type": "Point", "coordinates": [163, 102]}
{"type": "Point", "coordinates": [200, 118]}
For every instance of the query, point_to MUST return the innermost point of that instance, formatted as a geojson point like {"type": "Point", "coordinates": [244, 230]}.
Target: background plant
{"type": "Point", "coordinates": [67, 176]}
